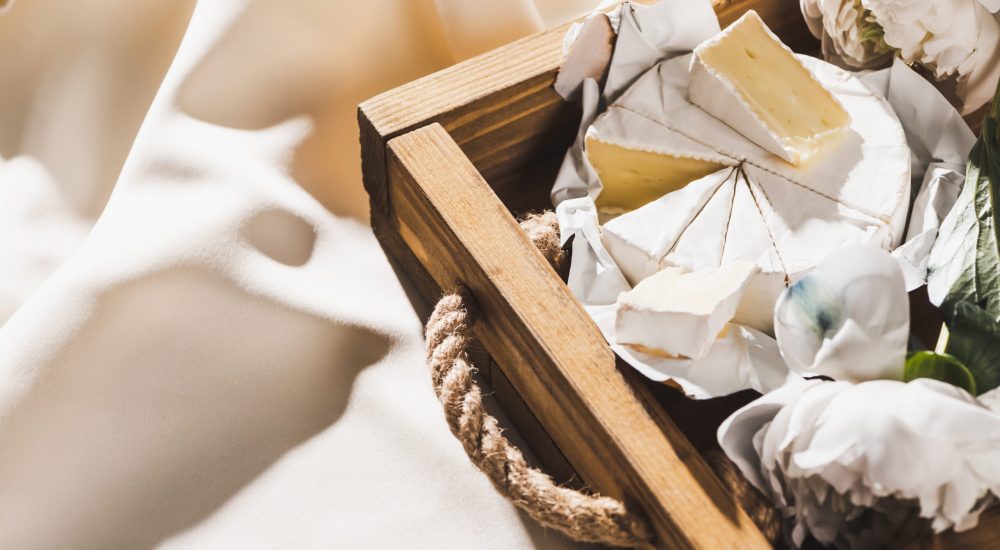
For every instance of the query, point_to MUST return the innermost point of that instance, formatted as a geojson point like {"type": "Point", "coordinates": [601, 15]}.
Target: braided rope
{"type": "Point", "coordinates": [583, 517]}
{"type": "Point", "coordinates": [580, 516]}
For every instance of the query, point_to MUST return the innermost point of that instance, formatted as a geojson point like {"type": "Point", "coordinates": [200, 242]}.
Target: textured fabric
{"type": "Point", "coordinates": [201, 343]}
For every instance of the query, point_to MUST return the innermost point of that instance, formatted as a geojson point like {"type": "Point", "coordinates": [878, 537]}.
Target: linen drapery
{"type": "Point", "coordinates": [201, 343]}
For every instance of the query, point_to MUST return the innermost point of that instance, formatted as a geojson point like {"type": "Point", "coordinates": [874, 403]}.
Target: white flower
{"type": "Point", "coordinates": [943, 35]}
{"type": "Point", "coordinates": [848, 37]}
{"type": "Point", "coordinates": [948, 37]}
{"type": "Point", "coordinates": [849, 319]}
{"type": "Point", "coordinates": [869, 464]}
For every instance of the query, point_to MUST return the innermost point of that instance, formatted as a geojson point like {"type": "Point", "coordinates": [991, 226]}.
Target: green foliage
{"type": "Point", "coordinates": [964, 268]}
{"type": "Point", "coordinates": [975, 341]}
{"type": "Point", "coordinates": [927, 364]}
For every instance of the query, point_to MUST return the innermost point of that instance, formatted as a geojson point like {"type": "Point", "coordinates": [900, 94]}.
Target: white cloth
{"type": "Point", "coordinates": [219, 355]}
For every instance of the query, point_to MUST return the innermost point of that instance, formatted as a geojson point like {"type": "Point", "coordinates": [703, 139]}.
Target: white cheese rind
{"type": "Point", "coordinates": [639, 240]}
{"type": "Point", "coordinates": [678, 314]}
{"type": "Point", "coordinates": [701, 243]}
{"type": "Point", "coordinates": [806, 226]}
{"type": "Point", "coordinates": [749, 239]}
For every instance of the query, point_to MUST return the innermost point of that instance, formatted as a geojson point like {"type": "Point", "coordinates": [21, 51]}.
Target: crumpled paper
{"type": "Point", "coordinates": [854, 465]}
{"type": "Point", "coordinates": [938, 136]}
{"type": "Point", "coordinates": [940, 142]}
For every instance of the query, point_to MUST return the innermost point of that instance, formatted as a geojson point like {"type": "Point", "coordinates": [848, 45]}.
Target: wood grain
{"type": "Point", "coordinates": [612, 433]}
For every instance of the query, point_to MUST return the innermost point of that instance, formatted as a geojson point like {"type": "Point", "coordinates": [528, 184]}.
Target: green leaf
{"type": "Point", "coordinates": [927, 364]}
{"type": "Point", "coordinates": [964, 263]}
{"type": "Point", "coordinates": [974, 340]}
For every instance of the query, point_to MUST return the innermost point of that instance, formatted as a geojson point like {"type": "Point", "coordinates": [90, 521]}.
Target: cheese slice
{"type": "Point", "coordinates": [749, 239]}
{"type": "Point", "coordinates": [748, 79]}
{"type": "Point", "coordinates": [680, 314]}
{"type": "Point", "coordinates": [701, 244]}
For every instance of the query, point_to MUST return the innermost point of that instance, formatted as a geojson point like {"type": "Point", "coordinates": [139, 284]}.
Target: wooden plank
{"type": "Point", "coordinates": [784, 17]}
{"type": "Point", "coordinates": [500, 106]}
{"type": "Point", "coordinates": [422, 291]}
{"type": "Point", "coordinates": [614, 435]}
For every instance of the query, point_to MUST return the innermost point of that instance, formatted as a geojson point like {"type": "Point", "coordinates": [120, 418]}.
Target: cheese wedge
{"type": "Point", "coordinates": [748, 79]}
{"type": "Point", "coordinates": [679, 314]}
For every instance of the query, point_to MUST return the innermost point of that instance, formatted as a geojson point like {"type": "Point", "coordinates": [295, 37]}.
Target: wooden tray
{"type": "Point", "coordinates": [449, 161]}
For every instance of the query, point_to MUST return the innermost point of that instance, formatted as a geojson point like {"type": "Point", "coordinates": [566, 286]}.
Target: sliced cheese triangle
{"type": "Point", "coordinates": [640, 239]}
{"type": "Point", "coordinates": [806, 226]}
{"type": "Point", "coordinates": [678, 314]}
{"type": "Point", "coordinates": [701, 244]}
{"type": "Point", "coordinates": [748, 239]}
{"type": "Point", "coordinates": [748, 79]}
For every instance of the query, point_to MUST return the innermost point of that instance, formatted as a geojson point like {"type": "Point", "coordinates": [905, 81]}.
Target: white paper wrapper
{"type": "Point", "coordinates": [854, 464]}
{"type": "Point", "coordinates": [940, 142]}
{"type": "Point", "coordinates": [935, 131]}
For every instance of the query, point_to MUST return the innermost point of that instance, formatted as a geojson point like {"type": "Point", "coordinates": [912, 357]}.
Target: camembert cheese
{"type": "Point", "coordinates": [678, 314]}
{"type": "Point", "coordinates": [748, 79]}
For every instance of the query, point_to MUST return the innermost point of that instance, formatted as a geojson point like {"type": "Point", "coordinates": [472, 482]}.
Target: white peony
{"type": "Point", "coordinates": [869, 464]}
{"type": "Point", "coordinates": [958, 38]}
{"type": "Point", "coordinates": [849, 36]}
{"type": "Point", "coordinates": [849, 319]}
{"type": "Point", "coordinates": [942, 35]}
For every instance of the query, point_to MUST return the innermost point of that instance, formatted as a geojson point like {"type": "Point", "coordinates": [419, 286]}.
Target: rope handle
{"type": "Point", "coordinates": [580, 516]}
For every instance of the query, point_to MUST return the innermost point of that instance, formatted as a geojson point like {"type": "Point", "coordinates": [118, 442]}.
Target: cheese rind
{"type": "Point", "coordinates": [804, 236]}
{"type": "Point", "coordinates": [639, 240]}
{"type": "Point", "coordinates": [680, 314]}
{"type": "Point", "coordinates": [751, 81]}
{"type": "Point", "coordinates": [701, 243]}
{"type": "Point", "coordinates": [749, 239]}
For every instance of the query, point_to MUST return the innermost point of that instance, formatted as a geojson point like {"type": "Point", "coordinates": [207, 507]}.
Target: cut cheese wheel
{"type": "Point", "coordinates": [757, 207]}
{"type": "Point", "coordinates": [638, 161]}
